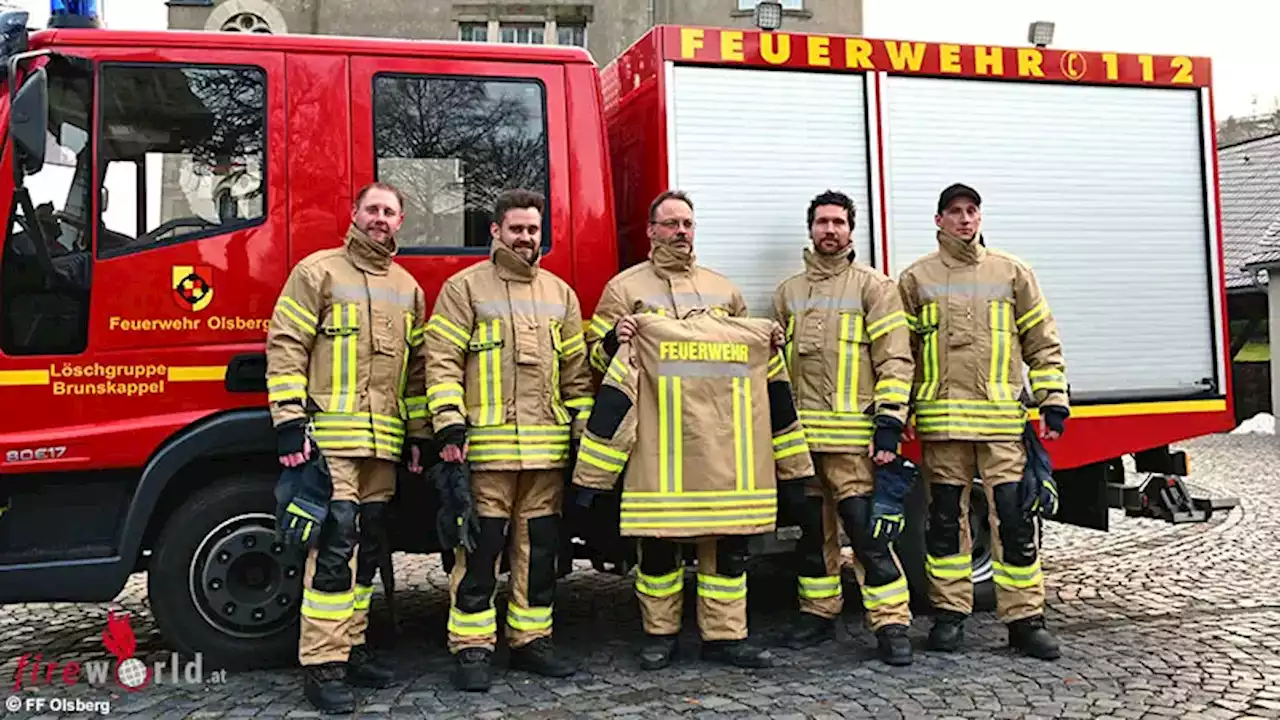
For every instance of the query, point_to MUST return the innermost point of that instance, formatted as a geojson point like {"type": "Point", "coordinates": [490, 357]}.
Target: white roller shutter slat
{"type": "Point", "coordinates": [1099, 189]}
{"type": "Point", "coordinates": [752, 148]}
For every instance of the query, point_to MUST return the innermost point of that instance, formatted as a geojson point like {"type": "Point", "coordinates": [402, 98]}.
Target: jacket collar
{"type": "Point", "coordinates": [511, 266]}
{"type": "Point", "coordinates": [367, 254]}
{"type": "Point", "coordinates": [818, 267]}
{"type": "Point", "coordinates": [667, 261]}
{"type": "Point", "coordinates": [958, 251]}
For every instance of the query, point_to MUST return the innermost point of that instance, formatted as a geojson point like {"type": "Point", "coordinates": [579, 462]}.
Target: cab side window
{"type": "Point", "coordinates": [182, 153]}
{"type": "Point", "coordinates": [452, 144]}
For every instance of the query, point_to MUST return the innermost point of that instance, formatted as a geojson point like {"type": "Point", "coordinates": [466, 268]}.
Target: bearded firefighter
{"type": "Point", "coordinates": [509, 391]}
{"type": "Point", "coordinates": [848, 346]}
{"type": "Point", "coordinates": [978, 314]}
{"type": "Point", "coordinates": [347, 392]}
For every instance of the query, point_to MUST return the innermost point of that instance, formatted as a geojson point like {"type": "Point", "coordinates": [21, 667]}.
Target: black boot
{"type": "Point", "coordinates": [540, 657]}
{"type": "Point", "coordinates": [364, 670]}
{"type": "Point", "coordinates": [472, 670]}
{"type": "Point", "coordinates": [656, 651]}
{"type": "Point", "coordinates": [736, 652]}
{"type": "Point", "coordinates": [893, 646]}
{"type": "Point", "coordinates": [810, 629]}
{"type": "Point", "coordinates": [947, 631]}
{"type": "Point", "coordinates": [1030, 637]}
{"type": "Point", "coordinates": [326, 689]}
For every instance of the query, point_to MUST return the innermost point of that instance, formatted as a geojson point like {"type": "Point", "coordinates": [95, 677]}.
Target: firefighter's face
{"type": "Point", "coordinates": [379, 214]}
{"type": "Point", "coordinates": [960, 218]}
{"type": "Point", "coordinates": [832, 229]}
{"type": "Point", "coordinates": [673, 225]}
{"type": "Point", "coordinates": [520, 230]}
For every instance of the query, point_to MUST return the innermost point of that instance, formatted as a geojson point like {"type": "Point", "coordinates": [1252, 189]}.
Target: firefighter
{"type": "Point", "coordinates": [697, 416]}
{"type": "Point", "coordinates": [977, 315]}
{"type": "Point", "coordinates": [509, 391]}
{"type": "Point", "coordinates": [669, 283]}
{"type": "Point", "coordinates": [848, 348]}
{"type": "Point", "coordinates": [345, 366]}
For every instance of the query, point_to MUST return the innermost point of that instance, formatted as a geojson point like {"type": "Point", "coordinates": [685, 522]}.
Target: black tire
{"type": "Point", "coordinates": [234, 515]}
{"type": "Point", "coordinates": [911, 550]}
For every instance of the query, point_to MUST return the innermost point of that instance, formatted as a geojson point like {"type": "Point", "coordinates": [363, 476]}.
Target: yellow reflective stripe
{"type": "Point", "coordinates": [345, 431]}
{"type": "Point", "coordinates": [519, 618]}
{"type": "Point", "coordinates": [824, 428]}
{"type": "Point", "coordinates": [481, 623]}
{"type": "Point", "coordinates": [447, 329]}
{"type": "Point", "coordinates": [302, 317]}
{"type": "Point", "coordinates": [889, 390]}
{"type": "Point", "coordinates": [491, 408]}
{"type": "Point", "coordinates": [776, 365]}
{"type": "Point", "coordinates": [887, 324]}
{"type": "Point", "coordinates": [618, 370]}
{"type": "Point", "coordinates": [286, 387]}
{"type": "Point", "coordinates": [327, 606]}
{"type": "Point", "coordinates": [894, 593]}
{"type": "Point", "coordinates": [599, 359]}
{"type": "Point", "coordinates": [416, 407]}
{"type": "Point", "coordinates": [1033, 317]}
{"type": "Point", "coordinates": [444, 395]}
{"type": "Point", "coordinates": [345, 357]}
{"type": "Point", "coordinates": [670, 434]}
{"type": "Point", "coordinates": [928, 328]}
{"type": "Point", "coordinates": [850, 351]}
{"type": "Point", "coordinates": [1049, 379]}
{"type": "Point", "coordinates": [1001, 350]}
{"type": "Point", "coordinates": [722, 588]}
{"type": "Point", "coordinates": [1015, 577]}
{"type": "Point", "coordinates": [743, 447]}
{"type": "Point", "coordinates": [660, 586]}
{"type": "Point", "coordinates": [599, 326]}
{"type": "Point", "coordinates": [557, 400]}
{"type": "Point", "coordinates": [582, 403]}
{"type": "Point", "coordinates": [417, 334]}
{"type": "Point", "coordinates": [819, 588]}
{"type": "Point", "coordinates": [752, 513]}
{"type": "Point", "coordinates": [789, 444]}
{"type": "Point", "coordinates": [364, 594]}
{"type": "Point", "coordinates": [573, 345]}
{"type": "Point", "coordinates": [971, 416]}
{"type": "Point", "coordinates": [595, 453]}
{"type": "Point", "coordinates": [525, 443]}
{"type": "Point", "coordinates": [950, 566]}
{"type": "Point", "coordinates": [789, 349]}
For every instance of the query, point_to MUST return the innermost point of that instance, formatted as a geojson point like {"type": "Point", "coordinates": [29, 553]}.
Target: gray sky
{"type": "Point", "coordinates": [1238, 35]}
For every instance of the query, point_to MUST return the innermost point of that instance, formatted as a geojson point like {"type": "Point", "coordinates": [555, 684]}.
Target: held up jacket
{"type": "Point", "coordinates": [978, 314]}
{"type": "Point", "coordinates": [700, 413]}
{"type": "Point", "coordinates": [848, 350]}
{"type": "Point", "coordinates": [506, 357]}
{"type": "Point", "coordinates": [346, 335]}
{"type": "Point", "coordinates": [669, 283]}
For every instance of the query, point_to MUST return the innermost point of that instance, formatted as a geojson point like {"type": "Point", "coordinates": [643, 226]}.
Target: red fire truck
{"type": "Point", "coordinates": [161, 185]}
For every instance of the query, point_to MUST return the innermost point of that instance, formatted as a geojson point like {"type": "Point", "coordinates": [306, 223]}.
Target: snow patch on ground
{"type": "Point", "coordinates": [1260, 424]}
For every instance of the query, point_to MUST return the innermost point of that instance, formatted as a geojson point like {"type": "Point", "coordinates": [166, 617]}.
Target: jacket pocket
{"type": "Point", "coordinates": [485, 403]}
{"type": "Point", "coordinates": [852, 344]}
{"type": "Point", "coordinates": [388, 335]}
{"type": "Point", "coordinates": [926, 324]}
{"type": "Point", "coordinates": [342, 327]}
{"type": "Point", "coordinates": [1003, 351]}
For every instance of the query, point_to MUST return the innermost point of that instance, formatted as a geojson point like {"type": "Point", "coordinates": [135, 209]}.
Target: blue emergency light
{"type": "Point", "coordinates": [73, 14]}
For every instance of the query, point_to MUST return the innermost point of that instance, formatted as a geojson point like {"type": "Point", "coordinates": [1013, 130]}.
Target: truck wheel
{"type": "Point", "coordinates": [911, 549]}
{"type": "Point", "coordinates": [220, 585]}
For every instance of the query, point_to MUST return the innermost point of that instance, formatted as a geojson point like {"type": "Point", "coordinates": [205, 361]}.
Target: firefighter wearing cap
{"type": "Point", "coordinates": [977, 315]}
{"type": "Point", "coordinates": [670, 283]}
{"type": "Point", "coordinates": [848, 347]}
{"type": "Point", "coordinates": [344, 366]}
{"type": "Point", "coordinates": [509, 390]}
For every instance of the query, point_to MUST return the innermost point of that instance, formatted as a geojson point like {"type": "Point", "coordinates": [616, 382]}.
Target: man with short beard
{"type": "Point", "coordinates": [345, 370]}
{"type": "Point", "coordinates": [508, 391]}
{"type": "Point", "coordinates": [848, 349]}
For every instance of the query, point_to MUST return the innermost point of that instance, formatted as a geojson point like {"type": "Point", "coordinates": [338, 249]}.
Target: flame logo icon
{"type": "Point", "coordinates": [118, 639]}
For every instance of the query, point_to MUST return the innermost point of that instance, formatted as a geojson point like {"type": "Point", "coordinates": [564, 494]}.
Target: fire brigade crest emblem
{"type": "Point", "coordinates": [192, 286]}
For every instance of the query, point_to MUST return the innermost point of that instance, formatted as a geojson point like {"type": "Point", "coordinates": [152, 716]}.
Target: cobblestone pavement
{"type": "Point", "coordinates": [1156, 620]}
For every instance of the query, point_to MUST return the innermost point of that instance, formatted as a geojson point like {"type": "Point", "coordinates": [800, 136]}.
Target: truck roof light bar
{"type": "Point", "coordinates": [74, 14]}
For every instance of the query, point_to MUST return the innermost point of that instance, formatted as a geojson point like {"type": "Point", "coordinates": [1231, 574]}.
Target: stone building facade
{"type": "Point", "coordinates": [604, 27]}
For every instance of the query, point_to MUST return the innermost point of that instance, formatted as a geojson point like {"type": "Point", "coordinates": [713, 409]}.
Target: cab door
{"type": "Point", "coordinates": [453, 134]}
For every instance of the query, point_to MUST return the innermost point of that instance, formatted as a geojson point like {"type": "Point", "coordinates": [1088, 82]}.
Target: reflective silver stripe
{"type": "Point", "coordinates": [682, 298]}
{"type": "Point", "coordinates": [360, 293]}
{"type": "Point", "coordinates": [670, 434]}
{"type": "Point", "coordinates": [488, 309]}
{"type": "Point", "coordinates": [660, 585]}
{"type": "Point", "coordinates": [704, 369]}
{"type": "Point", "coordinates": [640, 500]}
{"type": "Point", "coordinates": [826, 303]}
{"type": "Point", "coordinates": [984, 291]}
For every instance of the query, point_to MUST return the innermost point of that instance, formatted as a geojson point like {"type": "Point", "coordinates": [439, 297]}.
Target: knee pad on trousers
{"type": "Point", "coordinates": [337, 543]}
{"type": "Point", "coordinates": [942, 538]}
{"type": "Point", "coordinates": [1017, 535]}
{"type": "Point", "coordinates": [731, 555]}
{"type": "Point", "coordinates": [479, 581]}
{"type": "Point", "coordinates": [872, 554]}
{"type": "Point", "coordinates": [810, 560]}
{"type": "Point", "coordinates": [658, 557]}
{"type": "Point", "coordinates": [544, 545]}
{"type": "Point", "coordinates": [373, 519]}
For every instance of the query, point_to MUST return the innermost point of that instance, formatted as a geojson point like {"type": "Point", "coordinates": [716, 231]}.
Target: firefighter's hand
{"type": "Point", "coordinates": [625, 329]}
{"type": "Point", "coordinates": [453, 443]}
{"type": "Point", "coordinates": [779, 336]}
{"type": "Point", "coordinates": [292, 443]}
{"type": "Point", "coordinates": [1053, 421]}
{"type": "Point", "coordinates": [415, 458]}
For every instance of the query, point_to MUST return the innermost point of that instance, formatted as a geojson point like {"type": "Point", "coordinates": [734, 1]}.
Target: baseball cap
{"type": "Point", "coordinates": [955, 191]}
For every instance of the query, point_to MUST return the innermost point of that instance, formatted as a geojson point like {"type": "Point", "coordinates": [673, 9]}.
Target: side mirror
{"type": "Point", "coordinates": [30, 120]}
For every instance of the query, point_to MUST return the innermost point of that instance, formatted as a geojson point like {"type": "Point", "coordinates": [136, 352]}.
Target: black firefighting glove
{"type": "Point", "coordinates": [452, 435]}
{"type": "Point", "coordinates": [290, 436]}
{"type": "Point", "coordinates": [791, 499]}
{"type": "Point", "coordinates": [1037, 491]}
{"type": "Point", "coordinates": [457, 522]}
{"type": "Point", "coordinates": [302, 502]}
{"type": "Point", "coordinates": [1055, 416]}
{"type": "Point", "coordinates": [888, 434]}
{"type": "Point", "coordinates": [892, 483]}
